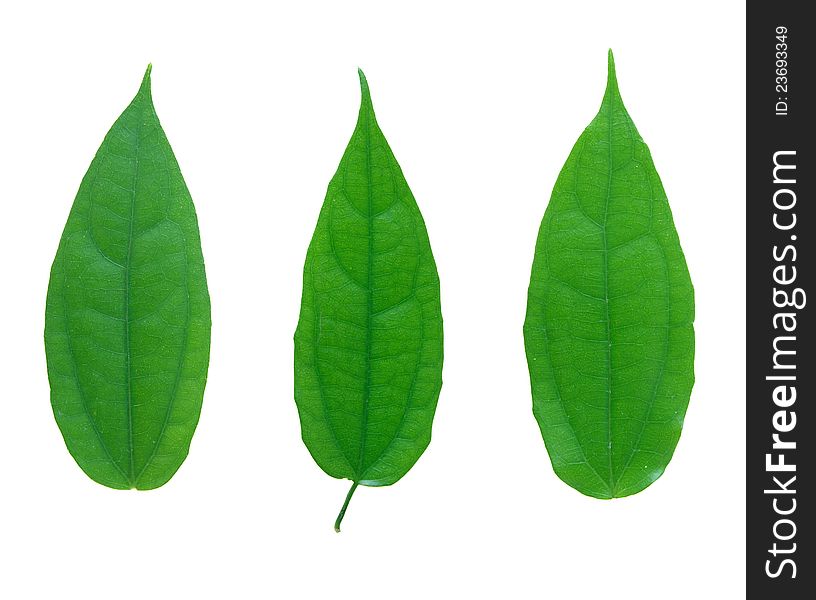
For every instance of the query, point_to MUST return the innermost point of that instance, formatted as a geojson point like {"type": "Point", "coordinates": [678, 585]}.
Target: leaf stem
{"type": "Point", "coordinates": [345, 506]}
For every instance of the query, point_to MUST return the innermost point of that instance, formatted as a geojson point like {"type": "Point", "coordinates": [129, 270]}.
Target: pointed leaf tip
{"type": "Point", "coordinates": [366, 93]}
{"type": "Point", "coordinates": [145, 87]}
{"type": "Point", "coordinates": [612, 77]}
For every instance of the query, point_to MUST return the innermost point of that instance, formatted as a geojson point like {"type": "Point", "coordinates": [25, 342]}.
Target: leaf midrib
{"type": "Point", "coordinates": [369, 297]}
{"type": "Point", "coordinates": [606, 301]}
{"type": "Point", "coordinates": [613, 481]}
{"type": "Point", "coordinates": [127, 266]}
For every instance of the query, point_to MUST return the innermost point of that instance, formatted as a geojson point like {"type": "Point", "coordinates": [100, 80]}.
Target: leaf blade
{"type": "Point", "coordinates": [127, 312]}
{"type": "Point", "coordinates": [368, 345]}
{"type": "Point", "coordinates": [609, 327]}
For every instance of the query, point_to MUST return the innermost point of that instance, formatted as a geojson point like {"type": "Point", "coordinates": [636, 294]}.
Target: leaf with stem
{"type": "Point", "coordinates": [368, 345]}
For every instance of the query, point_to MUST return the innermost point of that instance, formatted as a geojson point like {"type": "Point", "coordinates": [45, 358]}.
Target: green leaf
{"type": "Point", "coordinates": [368, 345]}
{"type": "Point", "coordinates": [127, 324]}
{"type": "Point", "coordinates": [608, 333]}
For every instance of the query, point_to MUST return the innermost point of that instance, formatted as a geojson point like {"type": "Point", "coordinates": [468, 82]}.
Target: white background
{"type": "Point", "coordinates": [481, 106]}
